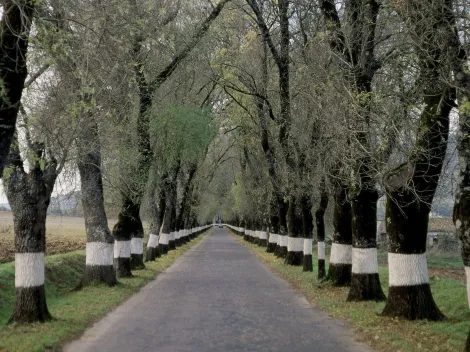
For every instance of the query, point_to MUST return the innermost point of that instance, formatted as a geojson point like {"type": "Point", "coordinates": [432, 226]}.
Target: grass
{"type": "Point", "coordinates": [384, 334]}
{"type": "Point", "coordinates": [445, 260]}
{"type": "Point", "coordinates": [73, 311]}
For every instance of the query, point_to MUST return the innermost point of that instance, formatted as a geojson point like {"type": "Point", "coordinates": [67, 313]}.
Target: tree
{"type": "Point", "coordinates": [411, 185]}
{"type": "Point", "coordinates": [281, 58]}
{"type": "Point", "coordinates": [29, 194]}
{"type": "Point", "coordinates": [15, 26]}
{"type": "Point", "coordinates": [71, 65]}
{"type": "Point", "coordinates": [355, 45]}
{"type": "Point", "coordinates": [32, 169]}
{"type": "Point", "coordinates": [100, 243]}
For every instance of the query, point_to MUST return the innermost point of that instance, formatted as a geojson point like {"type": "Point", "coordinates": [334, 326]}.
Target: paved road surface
{"type": "Point", "coordinates": [217, 297]}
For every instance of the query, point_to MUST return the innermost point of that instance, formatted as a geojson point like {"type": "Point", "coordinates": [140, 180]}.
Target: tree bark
{"type": "Point", "coordinates": [169, 217]}
{"type": "Point", "coordinates": [365, 282]}
{"type": "Point", "coordinates": [409, 293]}
{"type": "Point", "coordinates": [307, 225]}
{"type": "Point", "coordinates": [273, 229]}
{"type": "Point", "coordinates": [166, 229]}
{"type": "Point", "coordinates": [247, 230]}
{"type": "Point", "coordinates": [283, 238]}
{"type": "Point", "coordinates": [100, 243]}
{"type": "Point", "coordinates": [320, 222]}
{"type": "Point", "coordinates": [29, 195]}
{"type": "Point", "coordinates": [128, 226]}
{"type": "Point", "coordinates": [157, 212]}
{"type": "Point", "coordinates": [461, 215]}
{"type": "Point", "coordinates": [14, 34]}
{"type": "Point", "coordinates": [184, 207]}
{"type": "Point", "coordinates": [263, 234]}
{"type": "Point", "coordinates": [295, 244]}
{"type": "Point", "coordinates": [339, 271]}
{"type": "Point", "coordinates": [172, 242]}
{"type": "Point", "coordinates": [188, 214]}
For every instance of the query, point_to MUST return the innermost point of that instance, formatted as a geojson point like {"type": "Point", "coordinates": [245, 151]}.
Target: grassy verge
{"type": "Point", "coordinates": [383, 334]}
{"type": "Point", "coordinates": [73, 311]}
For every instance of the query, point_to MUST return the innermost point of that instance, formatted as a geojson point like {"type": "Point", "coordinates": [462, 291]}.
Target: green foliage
{"type": "Point", "coordinates": [7, 172]}
{"type": "Point", "coordinates": [464, 107]}
{"type": "Point", "coordinates": [180, 134]}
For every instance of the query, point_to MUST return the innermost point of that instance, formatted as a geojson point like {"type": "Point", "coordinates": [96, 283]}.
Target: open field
{"type": "Point", "coordinates": [73, 311]}
{"type": "Point", "coordinates": [63, 234]}
{"type": "Point", "coordinates": [387, 334]}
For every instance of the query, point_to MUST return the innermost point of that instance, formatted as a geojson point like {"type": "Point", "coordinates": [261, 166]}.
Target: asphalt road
{"type": "Point", "coordinates": [217, 297]}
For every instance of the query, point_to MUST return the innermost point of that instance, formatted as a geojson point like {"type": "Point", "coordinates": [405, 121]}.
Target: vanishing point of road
{"type": "Point", "coordinates": [218, 296]}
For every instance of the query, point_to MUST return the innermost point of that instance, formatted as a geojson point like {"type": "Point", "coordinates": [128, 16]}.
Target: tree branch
{"type": "Point", "coordinates": [171, 67]}
{"type": "Point", "coordinates": [265, 31]}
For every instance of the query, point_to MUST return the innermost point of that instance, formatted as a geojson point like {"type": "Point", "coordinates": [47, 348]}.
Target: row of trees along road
{"type": "Point", "coordinates": [267, 112]}
{"type": "Point", "coordinates": [105, 99]}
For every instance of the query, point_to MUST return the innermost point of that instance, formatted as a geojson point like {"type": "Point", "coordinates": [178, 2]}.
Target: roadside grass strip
{"type": "Point", "coordinates": [73, 311]}
{"type": "Point", "coordinates": [383, 334]}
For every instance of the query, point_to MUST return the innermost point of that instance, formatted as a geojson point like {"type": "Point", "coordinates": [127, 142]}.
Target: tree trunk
{"type": "Point", "coordinates": [307, 224]}
{"type": "Point", "coordinates": [411, 189]}
{"type": "Point", "coordinates": [100, 243]}
{"type": "Point", "coordinates": [273, 230]}
{"type": "Point", "coordinates": [128, 227]}
{"type": "Point", "coordinates": [29, 195]}
{"type": "Point", "coordinates": [409, 293]}
{"type": "Point", "coordinates": [295, 244]}
{"type": "Point", "coordinates": [411, 186]}
{"type": "Point", "coordinates": [263, 234]}
{"type": "Point", "coordinates": [283, 238]}
{"type": "Point", "coordinates": [188, 224]}
{"type": "Point", "coordinates": [339, 271]}
{"type": "Point", "coordinates": [177, 236]}
{"type": "Point", "coordinates": [246, 234]}
{"type": "Point", "coordinates": [157, 213]}
{"type": "Point", "coordinates": [137, 244]}
{"type": "Point", "coordinates": [14, 34]}
{"type": "Point", "coordinates": [184, 208]}
{"type": "Point", "coordinates": [186, 215]}
{"type": "Point", "coordinates": [461, 215]}
{"type": "Point", "coordinates": [167, 220]}
{"type": "Point", "coordinates": [177, 228]}
{"type": "Point", "coordinates": [171, 242]}
{"type": "Point", "coordinates": [255, 232]}
{"type": "Point", "coordinates": [320, 222]}
{"type": "Point", "coordinates": [365, 282]}
{"type": "Point", "coordinates": [165, 234]}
